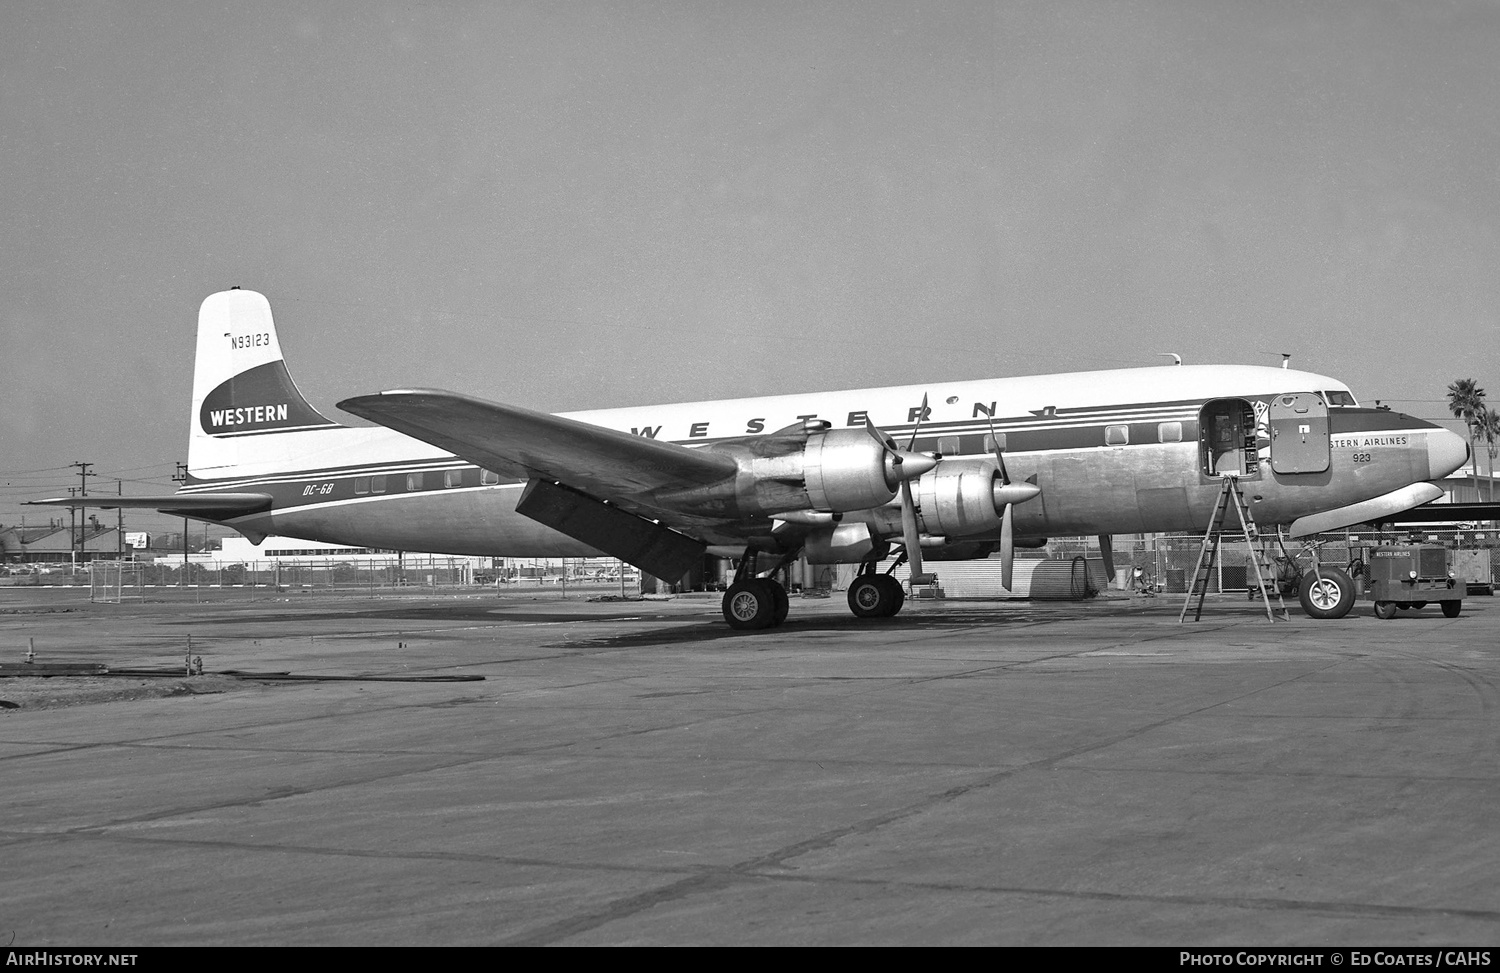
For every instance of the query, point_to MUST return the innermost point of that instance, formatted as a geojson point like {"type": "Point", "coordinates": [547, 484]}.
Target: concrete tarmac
{"type": "Point", "coordinates": [635, 773]}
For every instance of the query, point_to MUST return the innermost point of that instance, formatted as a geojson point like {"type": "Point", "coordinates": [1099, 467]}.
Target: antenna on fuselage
{"type": "Point", "coordinates": [1176, 358]}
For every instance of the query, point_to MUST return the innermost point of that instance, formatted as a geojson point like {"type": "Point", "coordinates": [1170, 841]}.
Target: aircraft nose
{"type": "Point", "coordinates": [1446, 452]}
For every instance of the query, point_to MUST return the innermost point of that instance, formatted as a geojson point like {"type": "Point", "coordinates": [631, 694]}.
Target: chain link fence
{"type": "Point", "coordinates": [117, 581]}
{"type": "Point", "coordinates": [114, 581]}
{"type": "Point", "coordinates": [1166, 561]}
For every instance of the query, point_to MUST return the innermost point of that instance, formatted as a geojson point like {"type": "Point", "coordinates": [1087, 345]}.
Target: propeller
{"type": "Point", "coordinates": [1009, 494]}
{"type": "Point", "coordinates": [907, 466]}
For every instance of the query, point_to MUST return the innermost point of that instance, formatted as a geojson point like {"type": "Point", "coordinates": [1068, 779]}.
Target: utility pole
{"type": "Point", "coordinates": [83, 491]}
{"type": "Point", "coordinates": [180, 477]}
{"type": "Point", "coordinates": [73, 531]}
{"type": "Point", "coordinates": [120, 523]}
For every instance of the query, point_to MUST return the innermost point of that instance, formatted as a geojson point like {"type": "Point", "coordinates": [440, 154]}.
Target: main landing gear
{"type": "Point", "coordinates": [751, 602]}
{"type": "Point", "coordinates": [876, 596]}
{"type": "Point", "coordinates": [755, 603]}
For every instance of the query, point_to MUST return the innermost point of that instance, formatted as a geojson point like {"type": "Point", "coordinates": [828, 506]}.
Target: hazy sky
{"type": "Point", "coordinates": [576, 205]}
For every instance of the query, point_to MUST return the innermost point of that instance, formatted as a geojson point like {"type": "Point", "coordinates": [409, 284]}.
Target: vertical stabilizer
{"type": "Point", "coordinates": [243, 396]}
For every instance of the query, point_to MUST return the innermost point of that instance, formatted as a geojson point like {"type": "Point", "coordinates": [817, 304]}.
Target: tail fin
{"type": "Point", "coordinates": [242, 392]}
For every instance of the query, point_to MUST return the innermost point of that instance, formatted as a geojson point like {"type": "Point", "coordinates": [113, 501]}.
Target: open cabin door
{"type": "Point", "coordinates": [1299, 433]}
{"type": "Point", "coordinates": [1226, 438]}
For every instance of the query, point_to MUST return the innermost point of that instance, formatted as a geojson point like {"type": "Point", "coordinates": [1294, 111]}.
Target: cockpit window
{"type": "Point", "coordinates": [1337, 397]}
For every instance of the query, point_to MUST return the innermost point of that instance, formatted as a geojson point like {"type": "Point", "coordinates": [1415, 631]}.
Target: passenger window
{"type": "Point", "coordinates": [990, 442]}
{"type": "Point", "coordinates": [361, 485]}
{"type": "Point", "coordinates": [377, 484]}
{"type": "Point", "coordinates": [413, 482]}
{"type": "Point", "coordinates": [1117, 435]}
{"type": "Point", "coordinates": [453, 478]}
{"type": "Point", "coordinates": [948, 445]}
{"type": "Point", "coordinates": [486, 478]}
{"type": "Point", "coordinates": [1169, 432]}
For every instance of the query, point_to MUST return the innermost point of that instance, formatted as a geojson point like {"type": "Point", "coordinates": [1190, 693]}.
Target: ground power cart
{"type": "Point", "coordinates": [1408, 576]}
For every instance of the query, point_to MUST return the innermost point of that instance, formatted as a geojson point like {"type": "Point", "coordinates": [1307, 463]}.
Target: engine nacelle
{"type": "Point", "coordinates": [844, 544]}
{"type": "Point", "coordinates": [846, 469]}
{"type": "Point", "coordinates": [959, 551]}
{"type": "Point", "coordinates": [957, 499]}
{"type": "Point", "coordinates": [807, 467]}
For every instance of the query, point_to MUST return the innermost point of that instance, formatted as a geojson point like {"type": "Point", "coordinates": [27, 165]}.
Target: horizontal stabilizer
{"type": "Point", "coordinates": [649, 546]}
{"type": "Point", "coordinates": [1367, 511]}
{"type": "Point", "coordinates": [210, 505]}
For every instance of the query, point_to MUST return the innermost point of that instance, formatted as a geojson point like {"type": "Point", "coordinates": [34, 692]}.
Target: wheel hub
{"type": "Point", "coordinates": [1325, 594]}
{"type": "Point", "coordinates": [744, 606]}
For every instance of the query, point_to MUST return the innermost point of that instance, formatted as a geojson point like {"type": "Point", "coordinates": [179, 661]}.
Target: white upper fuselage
{"type": "Point", "coordinates": [1123, 392]}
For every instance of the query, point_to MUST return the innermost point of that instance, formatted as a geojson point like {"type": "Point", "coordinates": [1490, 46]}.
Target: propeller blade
{"type": "Point", "coordinates": [879, 436]}
{"type": "Point", "coordinates": [1007, 547]}
{"type": "Point", "coordinates": [999, 454]}
{"type": "Point", "coordinates": [911, 537]}
{"type": "Point", "coordinates": [921, 414]}
{"type": "Point", "coordinates": [1107, 552]}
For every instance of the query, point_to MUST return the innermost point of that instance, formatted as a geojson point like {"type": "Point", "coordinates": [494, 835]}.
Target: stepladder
{"type": "Point", "coordinates": [1208, 554]}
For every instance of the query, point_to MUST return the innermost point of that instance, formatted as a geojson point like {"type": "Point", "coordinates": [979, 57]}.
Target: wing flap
{"type": "Point", "coordinates": [649, 546]}
{"type": "Point", "coordinates": [603, 462]}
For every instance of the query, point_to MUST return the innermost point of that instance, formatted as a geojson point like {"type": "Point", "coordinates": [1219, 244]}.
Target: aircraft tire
{"type": "Point", "coordinates": [869, 596]}
{"type": "Point", "coordinates": [1328, 593]}
{"type": "Point", "coordinates": [1452, 608]}
{"type": "Point", "coordinates": [749, 605]}
{"type": "Point", "coordinates": [781, 604]}
{"type": "Point", "coordinates": [897, 595]}
{"type": "Point", "coordinates": [1385, 610]}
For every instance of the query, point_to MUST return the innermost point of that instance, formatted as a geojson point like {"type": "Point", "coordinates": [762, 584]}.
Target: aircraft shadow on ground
{"type": "Point", "coordinates": [812, 627]}
{"type": "Point", "coordinates": [707, 626]}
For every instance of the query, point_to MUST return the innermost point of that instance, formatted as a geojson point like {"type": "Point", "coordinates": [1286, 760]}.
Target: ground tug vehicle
{"type": "Point", "coordinates": [1408, 576]}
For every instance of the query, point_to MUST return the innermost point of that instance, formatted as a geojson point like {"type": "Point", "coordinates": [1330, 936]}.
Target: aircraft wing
{"type": "Point", "coordinates": [591, 483]}
{"type": "Point", "coordinates": [603, 462]}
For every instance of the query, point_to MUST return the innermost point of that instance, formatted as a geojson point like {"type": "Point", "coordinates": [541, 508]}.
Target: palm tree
{"type": "Point", "coordinates": [1488, 428]}
{"type": "Point", "coordinates": [1466, 402]}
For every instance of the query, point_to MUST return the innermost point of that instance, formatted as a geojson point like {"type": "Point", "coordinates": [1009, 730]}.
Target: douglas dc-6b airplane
{"type": "Point", "coordinates": [942, 471]}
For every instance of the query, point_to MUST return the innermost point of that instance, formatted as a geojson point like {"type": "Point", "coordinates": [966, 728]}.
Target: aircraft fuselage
{"type": "Point", "coordinates": [1113, 452]}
